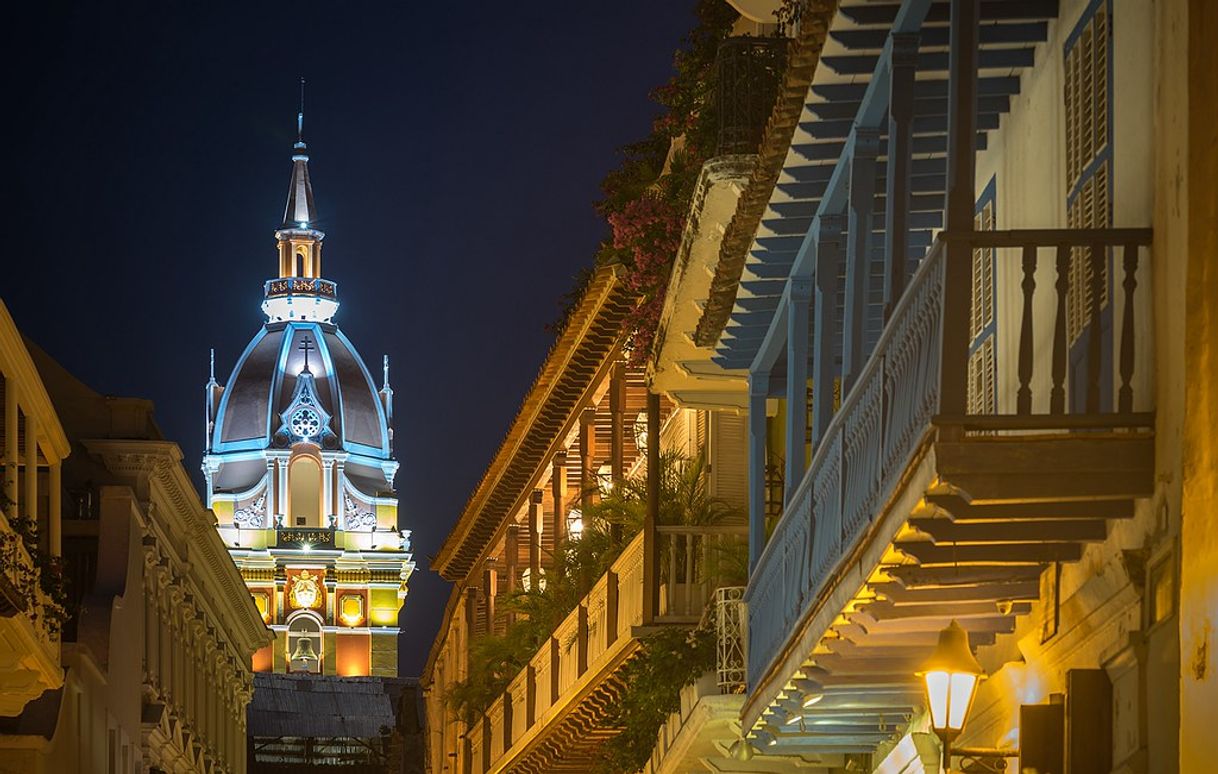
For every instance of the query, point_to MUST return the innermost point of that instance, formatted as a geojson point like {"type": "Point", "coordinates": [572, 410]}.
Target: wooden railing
{"type": "Point", "coordinates": [692, 559]}
{"type": "Point", "coordinates": [693, 562]}
{"type": "Point", "coordinates": [584, 642]}
{"type": "Point", "coordinates": [888, 411]}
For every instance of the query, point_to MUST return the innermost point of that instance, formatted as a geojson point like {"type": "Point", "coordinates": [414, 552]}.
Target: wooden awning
{"type": "Point", "coordinates": [576, 363]}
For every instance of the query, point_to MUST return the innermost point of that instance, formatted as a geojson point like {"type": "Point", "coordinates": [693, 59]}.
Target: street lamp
{"type": "Point", "coordinates": [952, 675]}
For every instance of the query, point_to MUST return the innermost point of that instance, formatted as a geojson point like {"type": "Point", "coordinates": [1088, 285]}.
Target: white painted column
{"type": "Point", "coordinates": [283, 492]}
{"type": "Point", "coordinates": [327, 490]}
{"type": "Point", "coordinates": [30, 501]}
{"type": "Point", "coordinates": [10, 444]}
{"type": "Point", "coordinates": [272, 496]}
{"type": "Point", "coordinates": [55, 514]}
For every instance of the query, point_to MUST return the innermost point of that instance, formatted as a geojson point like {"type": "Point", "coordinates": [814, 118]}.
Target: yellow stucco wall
{"type": "Point", "coordinates": [384, 654]}
{"type": "Point", "coordinates": [383, 607]}
{"type": "Point", "coordinates": [387, 516]}
{"type": "Point", "coordinates": [1199, 542]}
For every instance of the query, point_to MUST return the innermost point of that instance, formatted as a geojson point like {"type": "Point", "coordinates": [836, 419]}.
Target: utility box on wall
{"type": "Point", "coordinates": [1042, 738]}
{"type": "Point", "coordinates": [1088, 721]}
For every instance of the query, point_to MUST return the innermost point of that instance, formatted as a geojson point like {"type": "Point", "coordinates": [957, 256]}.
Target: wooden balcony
{"type": "Point", "coordinates": [913, 511]}
{"type": "Point", "coordinates": [549, 718]}
{"type": "Point", "coordinates": [29, 647]}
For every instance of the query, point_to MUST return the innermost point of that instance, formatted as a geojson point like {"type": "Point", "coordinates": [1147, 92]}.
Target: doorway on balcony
{"type": "Point", "coordinates": [1087, 56]}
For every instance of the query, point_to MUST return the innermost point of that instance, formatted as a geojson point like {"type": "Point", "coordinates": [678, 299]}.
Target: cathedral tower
{"type": "Point", "coordinates": [300, 469]}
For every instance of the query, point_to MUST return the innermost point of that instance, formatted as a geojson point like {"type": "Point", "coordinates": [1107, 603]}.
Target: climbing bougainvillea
{"type": "Point", "coordinates": [647, 197]}
{"type": "Point", "coordinates": [646, 235]}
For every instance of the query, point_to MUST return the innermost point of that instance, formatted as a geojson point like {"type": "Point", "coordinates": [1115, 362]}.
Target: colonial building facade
{"type": "Point", "coordinates": [960, 288]}
{"type": "Point", "coordinates": [964, 296]}
{"type": "Point", "coordinates": [300, 468]}
{"type": "Point", "coordinates": [152, 643]}
{"type": "Point", "coordinates": [587, 426]}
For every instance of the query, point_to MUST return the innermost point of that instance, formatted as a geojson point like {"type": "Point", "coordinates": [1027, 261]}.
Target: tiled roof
{"type": "Point", "coordinates": [320, 706]}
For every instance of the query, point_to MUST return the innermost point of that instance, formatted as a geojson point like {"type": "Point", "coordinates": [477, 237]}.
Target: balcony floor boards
{"type": "Point", "coordinates": [996, 510]}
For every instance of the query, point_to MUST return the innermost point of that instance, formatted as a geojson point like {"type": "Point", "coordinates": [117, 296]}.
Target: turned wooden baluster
{"type": "Point", "coordinates": [1094, 332]}
{"type": "Point", "coordinates": [1023, 399]}
{"type": "Point", "coordinates": [1125, 400]}
{"type": "Point", "coordinates": [1057, 396]}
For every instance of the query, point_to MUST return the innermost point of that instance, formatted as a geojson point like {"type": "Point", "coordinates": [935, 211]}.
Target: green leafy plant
{"type": "Point", "coordinates": [45, 573]}
{"type": "Point", "coordinates": [669, 660]}
{"type": "Point", "coordinates": [494, 660]}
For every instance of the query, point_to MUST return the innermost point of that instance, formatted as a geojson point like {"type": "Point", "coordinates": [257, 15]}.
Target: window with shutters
{"type": "Point", "coordinates": [983, 356]}
{"type": "Point", "coordinates": [1088, 79]}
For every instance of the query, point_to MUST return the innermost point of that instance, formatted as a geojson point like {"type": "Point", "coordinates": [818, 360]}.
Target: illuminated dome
{"type": "Point", "coordinates": [300, 384]}
{"type": "Point", "coordinates": [299, 469]}
{"type": "Point", "coordinates": [301, 381]}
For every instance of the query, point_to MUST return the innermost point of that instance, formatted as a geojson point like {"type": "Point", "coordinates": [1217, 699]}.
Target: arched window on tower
{"type": "Point", "coordinates": [298, 269]}
{"type": "Point", "coordinates": [304, 643]}
{"type": "Point", "coordinates": [304, 492]}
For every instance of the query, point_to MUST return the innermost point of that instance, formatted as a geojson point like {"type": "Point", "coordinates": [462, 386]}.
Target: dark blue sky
{"type": "Point", "coordinates": [456, 153]}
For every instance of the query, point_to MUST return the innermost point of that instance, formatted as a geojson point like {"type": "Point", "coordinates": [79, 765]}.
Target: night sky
{"type": "Point", "coordinates": [457, 150]}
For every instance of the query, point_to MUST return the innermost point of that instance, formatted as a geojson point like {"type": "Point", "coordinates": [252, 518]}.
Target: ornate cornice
{"type": "Point", "coordinates": [173, 508]}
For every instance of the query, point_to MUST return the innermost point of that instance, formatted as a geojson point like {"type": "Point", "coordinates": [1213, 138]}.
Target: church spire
{"type": "Point", "coordinates": [300, 292]}
{"type": "Point", "coordinates": [300, 212]}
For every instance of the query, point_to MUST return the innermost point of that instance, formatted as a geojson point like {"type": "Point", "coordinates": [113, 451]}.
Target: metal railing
{"type": "Point", "coordinates": [300, 286]}
{"type": "Point", "coordinates": [887, 414]}
{"type": "Point", "coordinates": [748, 73]}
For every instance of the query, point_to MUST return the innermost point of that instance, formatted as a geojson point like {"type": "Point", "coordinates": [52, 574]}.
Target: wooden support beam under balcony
{"type": "Point", "coordinates": [959, 509]}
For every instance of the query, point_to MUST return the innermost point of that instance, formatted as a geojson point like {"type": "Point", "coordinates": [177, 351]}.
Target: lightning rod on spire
{"type": "Point", "coordinates": [300, 115]}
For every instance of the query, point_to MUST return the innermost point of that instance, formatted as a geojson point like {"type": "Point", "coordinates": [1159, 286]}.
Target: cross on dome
{"type": "Point", "coordinates": [306, 346]}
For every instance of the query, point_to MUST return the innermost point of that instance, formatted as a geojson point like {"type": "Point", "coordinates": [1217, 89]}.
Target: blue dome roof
{"type": "Point", "coordinates": [266, 380]}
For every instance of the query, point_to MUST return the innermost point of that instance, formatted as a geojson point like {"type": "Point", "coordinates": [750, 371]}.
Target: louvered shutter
{"type": "Point", "coordinates": [730, 464]}
{"type": "Point", "coordinates": [982, 362]}
{"type": "Point", "coordinates": [1088, 160]}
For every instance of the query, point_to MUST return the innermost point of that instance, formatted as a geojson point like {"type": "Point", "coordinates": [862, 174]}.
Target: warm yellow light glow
{"type": "Point", "coordinates": [575, 523]}
{"type": "Point", "coordinates": [351, 609]}
{"type": "Point", "coordinates": [949, 695]}
{"type": "Point", "coordinates": [960, 696]}
{"type": "Point", "coordinates": [263, 602]}
{"type": "Point", "coordinates": [951, 675]}
{"type": "Point", "coordinates": [305, 591]}
{"type": "Point", "coordinates": [383, 616]}
{"type": "Point", "coordinates": [937, 690]}
{"type": "Point", "coordinates": [604, 477]}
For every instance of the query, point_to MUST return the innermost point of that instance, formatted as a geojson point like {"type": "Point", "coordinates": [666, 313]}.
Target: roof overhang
{"type": "Point", "coordinates": [577, 363]}
{"type": "Point", "coordinates": [843, 96]}
{"type": "Point", "coordinates": [678, 367]}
